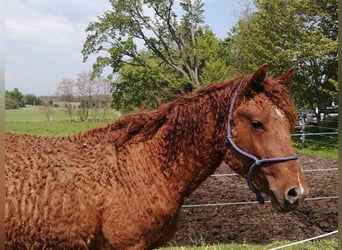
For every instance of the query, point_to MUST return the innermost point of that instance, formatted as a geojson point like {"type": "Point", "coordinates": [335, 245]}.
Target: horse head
{"type": "Point", "coordinates": [259, 133]}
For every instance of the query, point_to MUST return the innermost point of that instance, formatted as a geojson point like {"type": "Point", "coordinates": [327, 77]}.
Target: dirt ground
{"type": "Point", "coordinates": [254, 223]}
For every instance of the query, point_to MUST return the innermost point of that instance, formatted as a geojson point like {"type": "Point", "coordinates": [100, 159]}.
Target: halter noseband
{"type": "Point", "coordinates": [257, 162]}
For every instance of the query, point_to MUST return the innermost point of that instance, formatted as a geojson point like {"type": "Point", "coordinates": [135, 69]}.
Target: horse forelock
{"type": "Point", "coordinates": [276, 92]}
{"type": "Point", "coordinates": [281, 98]}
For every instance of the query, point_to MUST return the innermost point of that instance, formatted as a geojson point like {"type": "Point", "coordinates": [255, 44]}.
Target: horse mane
{"type": "Point", "coordinates": [140, 126]}
{"type": "Point", "coordinates": [143, 125]}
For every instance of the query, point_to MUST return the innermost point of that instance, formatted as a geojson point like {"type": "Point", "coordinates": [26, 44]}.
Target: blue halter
{"type": "Point", "coordinates": [257, 162]}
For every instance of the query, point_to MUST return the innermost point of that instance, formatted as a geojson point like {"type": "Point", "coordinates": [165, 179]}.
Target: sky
{"type": "Point", "coordinates": [44, 38]}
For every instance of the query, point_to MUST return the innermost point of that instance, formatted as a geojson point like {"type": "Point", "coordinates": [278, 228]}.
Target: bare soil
{"type": "Point", "coordinates": [254, 223]}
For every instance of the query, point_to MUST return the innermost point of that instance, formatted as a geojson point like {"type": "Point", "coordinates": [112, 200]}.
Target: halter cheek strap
{"type": "Point", "coordinates": [257, 162]}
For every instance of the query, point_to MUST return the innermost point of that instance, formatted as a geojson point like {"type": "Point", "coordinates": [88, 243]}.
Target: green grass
{"type": "Point", "coordinates": [33, 121]}
{"type": "Point", "coordinates": [34, 114]}
{"type": "Point", "coordinates": [37, 114]}
{"type": "Point", "coordinates": [331, 154]}
{"type": "Point", "coordinates": [318, 145]}
{"type": "Point", "coordinates": [327, 244]}
{"type": "Point", "coordinates": [50, 129]}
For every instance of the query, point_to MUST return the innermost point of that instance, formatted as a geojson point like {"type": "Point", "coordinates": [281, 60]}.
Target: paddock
{"type": "Point", "coordinates": [218, 213]}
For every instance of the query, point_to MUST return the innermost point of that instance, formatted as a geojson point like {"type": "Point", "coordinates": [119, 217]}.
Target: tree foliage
{"type": "Point", "coordinates": [153, 85]}
{"type": "Point", "coordinates": [179, 54]}
{"type": "Point", "coordinates": [152, 23]}
{"type": "Point", "coordinates": [14, 99]}
{"type": "Point", "coordinates": [284, 33]}
{"type": "Point", "coordinates": [31, 99]}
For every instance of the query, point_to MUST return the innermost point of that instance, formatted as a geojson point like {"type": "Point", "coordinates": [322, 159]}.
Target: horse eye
{"type": "Point", "coordinates": [257, 125]}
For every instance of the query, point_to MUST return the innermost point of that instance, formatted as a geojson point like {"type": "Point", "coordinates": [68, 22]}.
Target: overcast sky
{"type": "Point", "coordinates": [44, 38]}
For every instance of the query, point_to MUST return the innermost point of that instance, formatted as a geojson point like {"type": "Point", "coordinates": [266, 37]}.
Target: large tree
{"type": "Point", "coordinates": [300, 33]}
{"type": "Point", "coordinates": [150, 86]}
{"type": "Point", "coordinates": [152, 24]}
{"type": "Point", "coordinates": [156, 50]}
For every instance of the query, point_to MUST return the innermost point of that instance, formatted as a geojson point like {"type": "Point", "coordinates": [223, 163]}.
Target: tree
{"type": "Point", "coordinates": [153, 53]}
{"type": "Point", "coordinates": [47, 108]}
{"type": "Point", "coordinates": [215, 57]}
{"type": "Point", "coordinates": [301, 33]}
{"type": "Point", "coordinates": [10, 103]}
{"type": "Point", "coordinates": [139, 86]}
{"type": "Point", "coordinates": [101, 95]}
{"type": "Point", "coordinates": [85, 90]}
{"type": "Point", "coordinates": [31, 99]}
{"type": "Point", "coordinates": [151, 86]}
{"type": "Point", "coordinates": [154, 25]}
{"type": "Point", "coordinates": [65, 91]}
{"type": "Point", "coordinates": [14, 99]}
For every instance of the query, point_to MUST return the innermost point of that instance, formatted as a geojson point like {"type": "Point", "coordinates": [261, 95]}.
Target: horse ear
{"type": "Point", "coordinates": [286, 78]}
{"type": "Point", "coordinates": [257, 80]}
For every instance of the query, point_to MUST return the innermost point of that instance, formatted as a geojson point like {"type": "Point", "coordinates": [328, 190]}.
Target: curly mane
{"type": "Point", "coordinates": [143, 125]}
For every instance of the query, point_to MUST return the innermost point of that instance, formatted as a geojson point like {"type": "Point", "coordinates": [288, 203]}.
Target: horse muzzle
{"type": "Point", "coordinates": [290, 200]}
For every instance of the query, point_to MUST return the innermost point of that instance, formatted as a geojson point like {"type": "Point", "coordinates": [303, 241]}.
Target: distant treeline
{"type": "Point", "coordinates": [15, 99]}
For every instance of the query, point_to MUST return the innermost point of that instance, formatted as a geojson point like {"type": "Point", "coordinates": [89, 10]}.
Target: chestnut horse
{"type": "Point", "coordinates": [122, 186]}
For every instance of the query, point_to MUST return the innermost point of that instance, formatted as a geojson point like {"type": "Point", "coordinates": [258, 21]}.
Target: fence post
{"type": "Point", "coordinates": [302, 128]}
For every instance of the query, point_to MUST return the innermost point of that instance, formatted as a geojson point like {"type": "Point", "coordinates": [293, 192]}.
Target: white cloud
{"type": "Point", "coordinates": [44, 39]}
{"type": "Point", "coordinates": [27, 22]}
{"type": "Point", "coordinates": [52, 31]}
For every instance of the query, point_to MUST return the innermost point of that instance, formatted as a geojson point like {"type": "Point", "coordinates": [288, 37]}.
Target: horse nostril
{"type": "Point", "coordinates": [292, 195]}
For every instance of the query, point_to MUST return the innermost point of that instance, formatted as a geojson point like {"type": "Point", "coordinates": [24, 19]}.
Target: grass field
{"type": "Point", "coordinates": [36, 114]}
{"type": "Point", "coordinates": [33, 121]}
{"type": "Point", "coordinates": [50, 129]}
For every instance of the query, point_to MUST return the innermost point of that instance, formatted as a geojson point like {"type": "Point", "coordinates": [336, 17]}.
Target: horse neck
{"type": "Point", "coordinates": [193, 140]}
